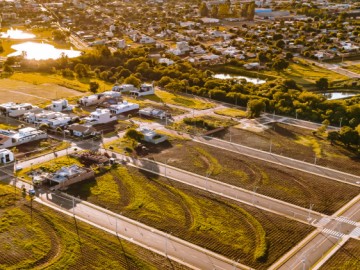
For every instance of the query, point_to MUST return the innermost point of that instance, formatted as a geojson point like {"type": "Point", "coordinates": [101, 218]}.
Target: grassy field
{"type": "Point", "coordinates": [55, 79]}
{"type": "Point", "coordinates": [346, 258]}
{"type": "Point", "coordinates": [296, 143]}
{"type": "Point", "coordinates": [54, 241]}
{"type": "Point", "coordinates": [255, 237]}
{"type": "Point", "coordinates": [304, 72]}
{"type": "Point", "coordinates": [201, 124]}
{"type": "Point", "coordinates": [353, 68]}
{"type": "Point", "coordinates": [279, 182]}
{"type": "Point", "coordinates": [18, 90]}
{"type": "Point", "coordinates": [180, 100]}
{"type": "Point", "coordinates": [231, 112]}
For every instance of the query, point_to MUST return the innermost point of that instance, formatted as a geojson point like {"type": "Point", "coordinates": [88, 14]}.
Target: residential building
{"type": "Point", "coordinates": [79, 130]}
{"type": "Point", "coordinates": [145, 89]}
{"type": "Point", "coordinates": [98, 98]}
{"type": "Point", "coordinates": [60, 105]}
{"type": "Point", "coordinates": [154, 113]}
{"type": "Point", "coordinates": [123, 88]}
{"type": "Point", "coordinates": [6, 156]}
{"type": "Point", "coordinates": [123, 107]}
{"type": "Point", "coordinates": [9, 138]}
{"type": "Point", "coordinates": [20, 109]}
{"type": "Point", "coordinates": [152, 137]}
{"type": "Point", "coordinates": [100, 116]}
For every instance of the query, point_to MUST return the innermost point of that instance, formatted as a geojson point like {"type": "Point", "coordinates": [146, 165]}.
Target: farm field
{"type": "Point", "coordinates": [252, 236]}
{"type": "Point", "coordinates": [22, 92]}
{"type": "Point", "coordinates": [272, 180]}
{"type": "Point", "coordinates": [55, 241]}
{"type": "Point", "coordinates": [296, 143]}
{"type": "Point", "coordinates": [180, 100]}
{"type": "Point", "coordinates": [347, 257]}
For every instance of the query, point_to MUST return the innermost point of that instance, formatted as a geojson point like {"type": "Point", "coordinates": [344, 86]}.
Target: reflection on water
{"type": "Point", "coordinates": [16, 34]}
{"type": "Point", "coordinates": [248, 79]}
{"type": "Point", "coordinates": [338, 95]}
{"type": "Point", "coordinates": [41, 51]}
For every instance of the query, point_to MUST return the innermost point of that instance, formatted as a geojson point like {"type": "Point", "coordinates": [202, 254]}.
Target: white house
{"type": "Point", "coordinates": [5, 107]}
{"type": "Point", "coordinates": [123, 88]}
{"type": "Point", "coordinates": [41, 117]}
{"type": "Point", "coordinates": [166, 61]}
{"type": "Point", "coordinates": [20, 109]}
{"type": "Point", "coordinates": [6, 156]}
{"type": "Point", "coordinates": [121, 44]}
{"type": "Point", "coordinates": [82, 130]}
{"type": "Point", "coordinates": [59, 121]}
{"type": "Point", "coordinates": [124, 106]}
{"type": "Point", "coordinates": [12, 138]}
{"type": "Point", "coordinates": [145, 89]}
{"type": "Point", "coordinates": [100, 116]}
{"type": "Point", "coordinates": [146, 40]}
{"type": "Point", "coordinates": [60, 105]}
{"type": "Point", "coordinates": [155, 113]}
{"type": "Point", "coordinates": [152, 137]}
{"type": "Point", "coordinates": [98, 98]}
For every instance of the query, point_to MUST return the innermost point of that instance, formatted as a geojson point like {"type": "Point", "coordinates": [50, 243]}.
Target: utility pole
{"type": "Point", "coordinates": [310, 209]}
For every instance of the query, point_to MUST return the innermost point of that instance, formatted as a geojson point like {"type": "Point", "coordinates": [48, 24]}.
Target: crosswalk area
{"type": "Point", "coordinates": [355, 233]}
{"type": "Point", "coordinates": [345, 220]}
{"type": "Point", "coordinates": [333, 233]}
{"type": "Point", "coordinates": [323, 221]}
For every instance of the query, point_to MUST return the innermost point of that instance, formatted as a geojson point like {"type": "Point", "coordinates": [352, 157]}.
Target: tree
{"type": "Point", "coordinates": [348, 136]}
{"type": "Point", "coordinates": [280, 64]}
{"type": "Point", "coordinates": [132, 80]}
{"type": "Point", "coordinates": [93, 87]}
{"type": "Point", "coordinates": [322, 83]}
{"type": "Point", "coordinates": [1, 48]}
{"type": "Point", "coordinates": [8, 69]}
{"type": "Point", "coordinates": [81, 70]}
{"type": "Point", "coordinates": [323, 127]}
{"type": "Point", "coordinates": [204, 11]}
{"type": "Point", "coordinates": [134, 134]}
{"type": "Point", "coordinates": [333, 136]}
{"type": "Point", "coordinates": [255, 107]}
{"type": "Point", "coordinates": [280, 44]}
{"type": "Point", "coordinates": [214, 11]}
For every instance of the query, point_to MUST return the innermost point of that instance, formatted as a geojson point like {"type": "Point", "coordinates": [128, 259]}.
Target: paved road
{"type": "Point", "coordinates": [338, 229]}
{"type": "Point", "coordinates": [282, 160]}
{"type": "Point", "coordinates": [140, 234]}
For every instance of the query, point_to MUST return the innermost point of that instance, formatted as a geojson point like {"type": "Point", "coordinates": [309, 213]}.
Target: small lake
{"type": "Point", "coordinates": [248, 79]}
{"type": "Point", "coordinates": [338, 95]}
{"type": "Point", "coordinates": [41, 51]}
{"type": "Point", "coordinates": [16, 34]}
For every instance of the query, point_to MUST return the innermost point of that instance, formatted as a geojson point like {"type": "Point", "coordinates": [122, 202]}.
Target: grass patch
{"type": "Point", "coordinates": [199, 217]}
{"type": "Point", "coordinates": [310, 142]}
{"type": "Point", "coordinates": [53, 241]}
{"type": "Point", "coordinates": [304, 72]}
{"type": "Point", "coordinates": [177, 99]}
{"type": "Point", "coordinates": [42, 78]}
{"type": "Point", "coordinates": [231, 112]}
{"type": "Point", "coordinates": [347, 257]}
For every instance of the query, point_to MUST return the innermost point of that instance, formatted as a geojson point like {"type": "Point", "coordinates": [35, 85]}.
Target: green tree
{"type": "Point", "coordinates": [322, 83]}
{"type": "Point", "coordinates": [348, 136]}
{"type": "Point", "coordinates": [204, 11]}
{"type": "Point", "coordinates": [333, 136]}
{"type": "Point", "coordinates": [133, 80]}
{"type": "Point", "coordinates": [255, 107]}
{"type": "Point", "coordinates": [81, 70]}
{"type": "Point", "coordinates": [280, 64]}
{"type": "Point", "coordinates": [8, 69]}
{"type": "Point", "coordinates": [93, 86]}
{"type": "Point", "coordinates": [134, 134]}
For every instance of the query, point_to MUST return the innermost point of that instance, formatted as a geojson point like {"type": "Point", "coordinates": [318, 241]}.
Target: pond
{"type": "Point", "coordinates": [248, 79]}
{"type": "Point", "coordinates": [16, 34]}
{"type": "Point", "coordinates": [339, 95]}
{"type": "Point", "coordinates": [41, 51]}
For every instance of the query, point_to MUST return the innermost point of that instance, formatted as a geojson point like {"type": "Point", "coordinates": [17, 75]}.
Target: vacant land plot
{"type": "Point", "coordinates": [19, 91]}
{"type": "Point", "coordinates": [231, 112]}
{"type": "Point", "coordinates": [201, 124]}
{"type": "Point", "coordinates": [180, 100]}
{"type": "Point", "coordinates": [81, 85]}
{"type": "Point", "coordinates": [272, 180]}
{"type": "Point", "coordinates": [55, 241]}
{"type": "Point", "coordinates": [296, 143]}
{"type": "Point", "coordinates": [255, 237]}
{"type": "Point", "coordinates": [353, 68]}
{"type": "Point", "coordinates": [304, 72]}
{"type": "Point", "coordinates": [348, 257]}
